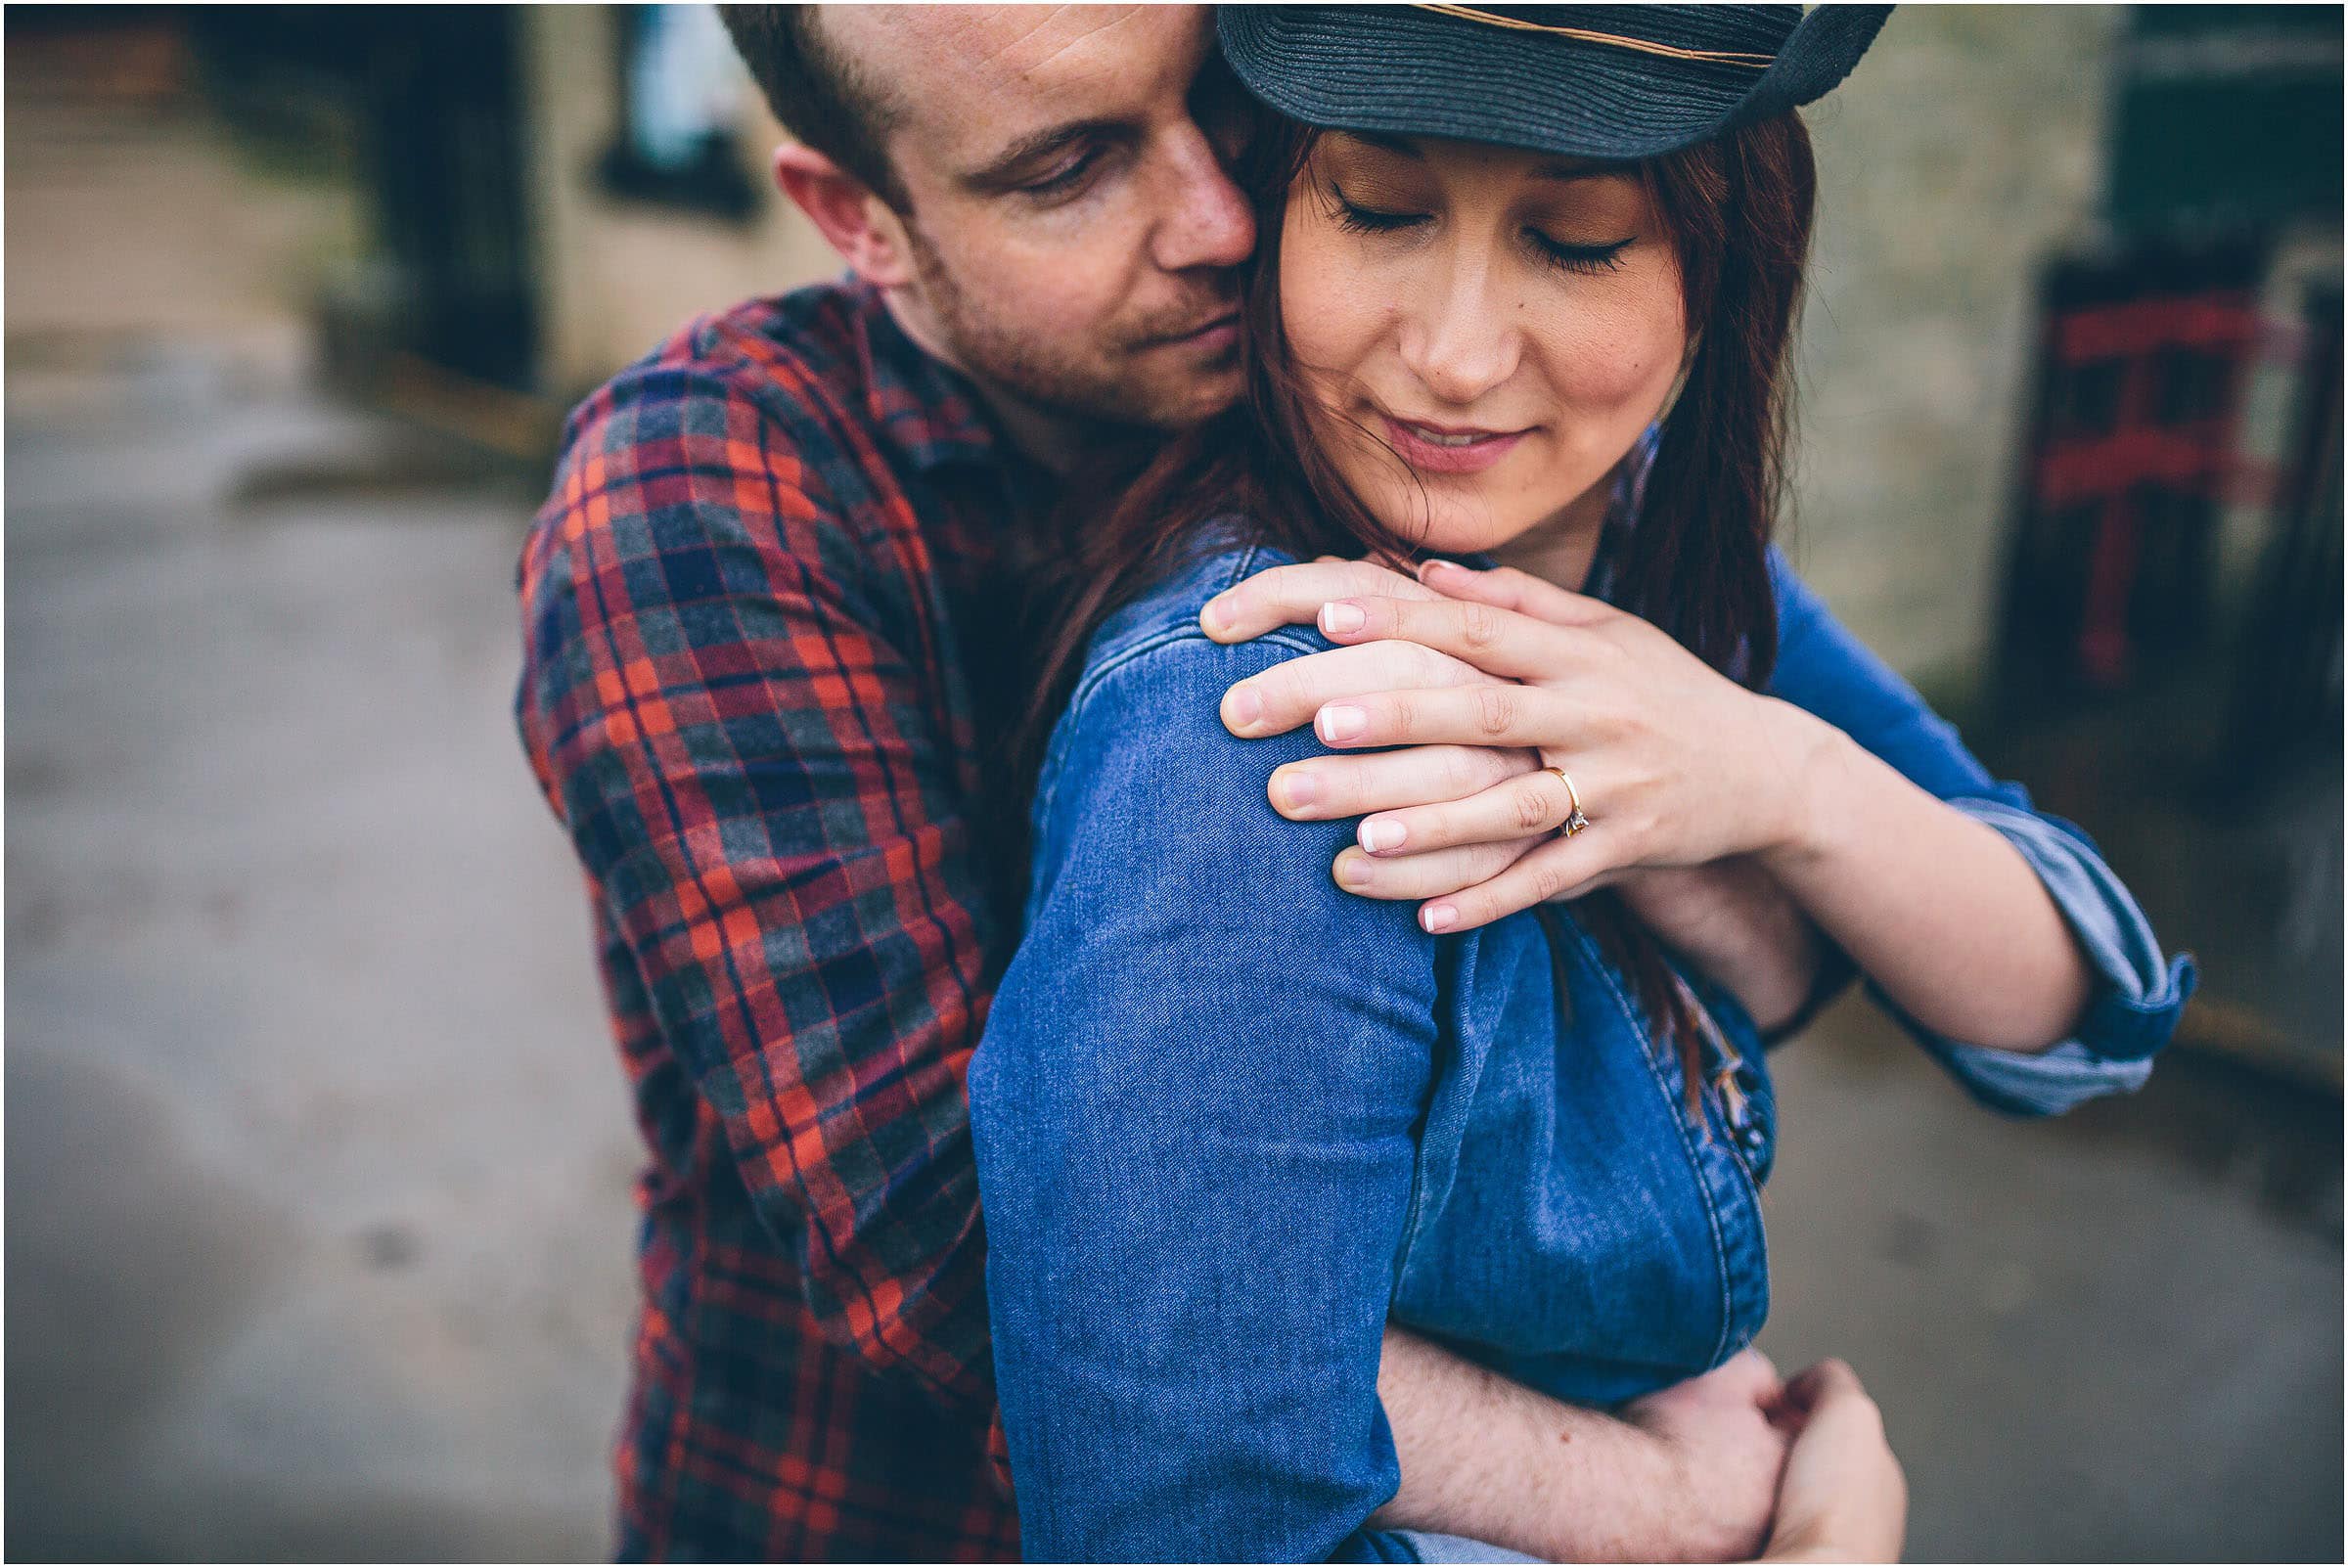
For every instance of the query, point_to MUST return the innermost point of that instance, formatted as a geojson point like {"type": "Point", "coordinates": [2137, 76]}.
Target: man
{"type": "Point", "coordinates": [755, 692]}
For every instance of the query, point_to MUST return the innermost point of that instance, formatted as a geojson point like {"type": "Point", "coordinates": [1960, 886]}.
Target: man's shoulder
{"type": "Point", "coordinates": [795, 360]}
{"type": "Point", "coordinates": [764, 392]}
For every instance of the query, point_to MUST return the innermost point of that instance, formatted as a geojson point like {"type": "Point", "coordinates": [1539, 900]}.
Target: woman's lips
{"type": "Point", "coordinates": [1439, 449]}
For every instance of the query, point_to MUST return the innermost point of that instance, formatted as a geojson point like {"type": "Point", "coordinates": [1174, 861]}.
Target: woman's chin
{"type": "Point", "coordinates": [1461, 535]}
{"type": "Point", "coordinates": [1453, 520]}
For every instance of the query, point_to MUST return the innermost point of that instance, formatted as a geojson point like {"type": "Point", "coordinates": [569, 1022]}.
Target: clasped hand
{"type": "Point", "coordinates": [1484, 680]}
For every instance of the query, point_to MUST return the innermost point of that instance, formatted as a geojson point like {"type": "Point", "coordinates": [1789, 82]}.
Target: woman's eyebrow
{"type": "Point", "coordinates": [1399, 146]}
{"type": "Point", "coordinates": [1578, 168]}
{"type": "Point", "coordinates": [1564, 168]}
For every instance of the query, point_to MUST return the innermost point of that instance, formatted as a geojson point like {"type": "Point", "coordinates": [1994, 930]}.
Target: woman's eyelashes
{"type": "Point", "coordinates": [1356, 218]}
{"type": "Point", "coordinates": [1578, 257]}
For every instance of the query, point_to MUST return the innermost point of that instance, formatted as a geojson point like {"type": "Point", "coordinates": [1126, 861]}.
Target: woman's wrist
{"type": "Point", "coordinates": [1806, 759]}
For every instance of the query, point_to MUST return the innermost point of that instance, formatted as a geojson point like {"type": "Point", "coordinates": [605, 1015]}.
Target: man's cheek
{"type": "Point", "coordinates": [1063, 289]}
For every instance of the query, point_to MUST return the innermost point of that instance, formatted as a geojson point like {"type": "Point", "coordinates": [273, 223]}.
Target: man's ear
{"type": "Point", "coordinates": [859, 225]}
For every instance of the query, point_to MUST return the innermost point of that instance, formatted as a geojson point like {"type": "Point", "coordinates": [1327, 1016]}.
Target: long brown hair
{"type": "Point", "coordinates": [1738, 210]}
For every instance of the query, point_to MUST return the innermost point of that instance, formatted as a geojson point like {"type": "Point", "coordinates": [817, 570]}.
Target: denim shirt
{"type": "Point", "coordinates": [1230, 1119]}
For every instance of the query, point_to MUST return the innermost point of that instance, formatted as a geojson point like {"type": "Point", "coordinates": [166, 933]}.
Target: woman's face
{"type": "Point", "coordinates": [1484, 333]}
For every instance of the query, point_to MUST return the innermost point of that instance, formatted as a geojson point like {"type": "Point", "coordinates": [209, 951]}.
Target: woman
{"type": "Point", "coordinates": [1231, 1118]}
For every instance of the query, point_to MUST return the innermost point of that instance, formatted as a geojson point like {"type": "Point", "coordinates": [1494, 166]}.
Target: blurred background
{"type": "Point", "coordinates": [318, 1221]}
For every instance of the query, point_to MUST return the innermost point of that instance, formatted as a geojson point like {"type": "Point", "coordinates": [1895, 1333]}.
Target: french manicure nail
{"type": "Point", "coordinates": [1353, 872]}
{"type": "Point", "coordinates": [1298, 791]}
{"type": "Point", "coordinates": [1430, 567]}
{"type": "Point", "coordinates": [1381, 835]}
{"type": "Point", "coordinates": [1341, 723]}
{"type": "Point", "coordinates": [1437, 916]}
{"type": "Point", "coordinates": [1337, 620]}
{"type": "Point", "coordinates": [1245, 706]}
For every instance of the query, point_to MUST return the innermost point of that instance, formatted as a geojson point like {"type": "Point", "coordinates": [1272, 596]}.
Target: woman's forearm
{"type": "Point", "coordinates": [1939, 910]}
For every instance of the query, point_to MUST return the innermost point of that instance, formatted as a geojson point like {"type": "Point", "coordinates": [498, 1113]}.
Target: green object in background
{"type": "Point", "coordinates": [2227, 117]}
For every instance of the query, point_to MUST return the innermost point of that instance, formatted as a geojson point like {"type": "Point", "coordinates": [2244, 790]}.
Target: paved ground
{"type": "Point", "coordinates": [317, 1223]}
{"type": "Point", "coordinates": [317, 1158]}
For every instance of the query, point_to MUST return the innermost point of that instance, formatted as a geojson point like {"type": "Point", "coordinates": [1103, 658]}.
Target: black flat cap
{"type": "Point", "coordinates": [1607, 82]}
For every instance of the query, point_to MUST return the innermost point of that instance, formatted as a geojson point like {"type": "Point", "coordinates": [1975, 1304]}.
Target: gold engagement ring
{"type": "Point", "coordinates": [1574, 821]}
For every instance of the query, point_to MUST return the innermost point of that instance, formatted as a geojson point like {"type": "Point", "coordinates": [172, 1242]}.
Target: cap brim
{"type": "Point", "coordinates": [1408, 71]}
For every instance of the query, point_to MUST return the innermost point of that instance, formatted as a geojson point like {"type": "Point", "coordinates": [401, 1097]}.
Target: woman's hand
{"type": "Point", "coordinates": [1674, 764]}
{"type": "Point", "coordinates": [1334, 786]}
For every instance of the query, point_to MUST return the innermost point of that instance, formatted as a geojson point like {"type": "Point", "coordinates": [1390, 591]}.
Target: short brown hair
{"type": "Point", "coordinates": [819, 95]}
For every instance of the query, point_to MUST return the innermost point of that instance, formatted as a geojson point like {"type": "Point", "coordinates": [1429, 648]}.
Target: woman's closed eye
{"type": "Point", "coordinates": [1356, 218]}
{"type": "Point", "coordinates": [1577, 257]}
{"type": "Point", "coordinates": [1360, 219]}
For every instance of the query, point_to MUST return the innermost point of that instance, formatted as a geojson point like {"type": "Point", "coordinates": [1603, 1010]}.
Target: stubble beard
{"type": "Point", "coordinates": [1061, 385]}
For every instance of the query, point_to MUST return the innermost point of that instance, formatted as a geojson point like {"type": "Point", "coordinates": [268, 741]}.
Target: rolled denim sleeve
{"type": "Point", "coordinates": [2139, 992]}
{"type": "Point", "coordinates": [1193, 1108]}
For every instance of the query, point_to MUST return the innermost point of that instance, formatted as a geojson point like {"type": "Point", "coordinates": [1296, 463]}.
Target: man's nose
{"type": "Point", "coordinates": [1460, 341]}
{"type": "Point", "coordinates": [1207, 222]}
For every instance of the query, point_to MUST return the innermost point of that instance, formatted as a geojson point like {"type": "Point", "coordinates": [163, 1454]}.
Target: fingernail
{"type": "Point", "coordinates": [1428, 568]}
{"type": "Point", "coordinates": [1298, 791]}
{"type": "Point", "coordinates": [1245, 706]}
{"type": "Point", "coordinates": [1338, 618]}
{"type": "Point", "coordinates": [1353, 870]}
{"type": "Point", "coordinates": [1381, 833]}
{"type": "Point", "coordinates": [1213, 616]}
{"type": "Point", "coordinates": [1435, 917]}
{"type": "Point", "coordinates": [1341, 723]}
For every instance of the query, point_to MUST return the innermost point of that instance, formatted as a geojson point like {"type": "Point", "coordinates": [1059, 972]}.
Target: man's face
{"type": "Point", "coordinates": [1072, 229]}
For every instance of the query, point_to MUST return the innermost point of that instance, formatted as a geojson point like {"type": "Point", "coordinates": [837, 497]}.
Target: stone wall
{"type": "Point", "coordinates": [1968, 145]}
{"type": "Point", "coordinates": [618, 275]}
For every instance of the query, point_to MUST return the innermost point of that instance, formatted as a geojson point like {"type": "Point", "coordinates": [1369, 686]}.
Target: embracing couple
{"type": "Point", "coordinates": [1227, 697]}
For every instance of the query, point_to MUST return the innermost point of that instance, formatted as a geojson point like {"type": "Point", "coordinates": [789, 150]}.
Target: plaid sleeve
{"type": "Point", "coordinates": [747, 770]}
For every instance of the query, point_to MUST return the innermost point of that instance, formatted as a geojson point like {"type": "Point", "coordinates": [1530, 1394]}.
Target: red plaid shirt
{"type": "Point", "coordinates": [742, 693]}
